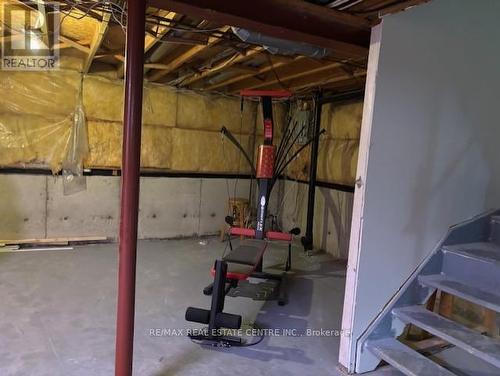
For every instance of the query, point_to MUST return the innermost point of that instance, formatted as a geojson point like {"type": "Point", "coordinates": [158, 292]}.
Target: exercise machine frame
{"type": "Point", "coordinates": [246, 261]}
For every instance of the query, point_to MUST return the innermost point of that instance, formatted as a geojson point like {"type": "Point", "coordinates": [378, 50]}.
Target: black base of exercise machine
{"type": "Point", "coordinates": [233, 283]}
{"type": "Point", "coordinates": [215, 317]}
{"type": "Point", "coordinates": [246, 260]}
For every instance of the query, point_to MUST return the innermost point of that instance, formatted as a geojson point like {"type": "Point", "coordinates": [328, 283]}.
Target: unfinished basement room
{"type": "Point", "coordinates": [266, 187]}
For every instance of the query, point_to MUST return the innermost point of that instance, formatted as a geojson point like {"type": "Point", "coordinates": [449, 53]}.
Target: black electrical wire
{"type": "Point", "coordinates": [271, 65]}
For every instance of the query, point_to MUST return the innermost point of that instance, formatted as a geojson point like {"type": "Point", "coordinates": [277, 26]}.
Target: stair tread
{"type": "Point", "coordinates": [405, 359]}
{"type": "Point", "coordinates": [485, 348]}
{"type": "Point", "coordinates": [486, 298]}
{"type": "Point", "coordinates": [485, 251]}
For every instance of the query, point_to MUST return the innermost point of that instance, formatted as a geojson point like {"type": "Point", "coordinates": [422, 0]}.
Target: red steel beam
{"type": "Point", "coordinates": [131, 157]}
{"type": "Point", "coordinates": [295, 20]}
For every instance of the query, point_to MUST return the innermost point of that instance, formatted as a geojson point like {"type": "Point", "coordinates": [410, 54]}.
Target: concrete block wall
{"type": "Point", "coordinates": [23, 206]}
{"type": "Point", "coordinates": [93, 212]}
{"type": "Point", "coordinates": [33, 206]}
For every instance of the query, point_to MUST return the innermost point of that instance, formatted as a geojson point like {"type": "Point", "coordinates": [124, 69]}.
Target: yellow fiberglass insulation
{"type": "Point", "coordinates": [202, 151]}
{"type": "Point", "coordinates": [105, 143]}
{"type": "Point", "coordinates": [180, 128]}
{"type": "Point", "coordinates": [342, 121]}
{"type": "Point", "coordinates": [103, 100]}
{"type": "Point", "coordinates": [39, 93]}
{"type": "Point", "coordinates": [214, 112]}
{"type": "Point", "coordinates": [299, 168]}
{"type": "Point", "coordinates": [338, 148]}
{"type": "Point", "coordinates": [33, 139]}
{"type": "Point", "coordinates": [36, 119]}
{"type": "Point", "coordinates": [337, 161]}
{"type": "Point", "coordinates": [78, 27]}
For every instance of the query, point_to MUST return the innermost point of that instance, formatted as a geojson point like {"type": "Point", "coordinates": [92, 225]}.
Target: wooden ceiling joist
{"type": "Point", "coordinates": [151, 41]}
{"type": "Point", "coordinates": [322, 79]}
{"type": "Point", "coordinates": [8, 38]}
{"type": "Point", "coordinates": [97, 41]}
{"type": "Point", "coordinates": [186, 56]}
{"type": "Point", "coordinates": [184, 40]}
{"type": "Point", "coordinates": [295, 20]}
{"type": "Point", "coordinates": [74, 44]}
{"type": "Point", "coordinates": [146, 65]}
{"type": "Point", "coordinates": [273, 64]}
{"type": "Point", "coordinates": [244, 68]}
{"type": "Point", "coordinates": [392, 7]}
{"type": "Point", "coordinates": [180, 34]}
{"type": "Point", "coordinates": [44, 25]}
{"type": "Point", "coordinates": [301, 68]}
{"type": "Point", "coordinates": [221, 66]}
{"type": "Point", "coordinates": [342, 86]}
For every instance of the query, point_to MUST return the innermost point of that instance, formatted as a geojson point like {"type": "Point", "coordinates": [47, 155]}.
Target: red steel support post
{"type": "Point", "coordinates": [131, 156]}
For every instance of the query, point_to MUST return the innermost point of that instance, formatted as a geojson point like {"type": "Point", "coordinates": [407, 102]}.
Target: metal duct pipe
{"type": "Point", "coordinates": [280, 46]}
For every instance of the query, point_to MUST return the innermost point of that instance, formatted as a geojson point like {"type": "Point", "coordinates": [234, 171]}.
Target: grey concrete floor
{"type": "Point", "coordinates": [58, 312]}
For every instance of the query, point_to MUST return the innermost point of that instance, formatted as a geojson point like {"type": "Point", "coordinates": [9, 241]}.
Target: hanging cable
{"type": "Point", "coordinates": [283, 146]}
{"type": "Point", "coordinates": [240, 136]}
{"type": "Point", "coordinates": [271, 65]}
{"type": "Point", "coordinates": [289, 148]}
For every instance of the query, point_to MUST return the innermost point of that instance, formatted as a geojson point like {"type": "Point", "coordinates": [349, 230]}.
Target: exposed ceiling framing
{"type": "Point", "coordinates": [190, 44]}
{"type": "Point", "coordinates": [297, 20]}
{"type": "Point", "coordinates": [96, 41]}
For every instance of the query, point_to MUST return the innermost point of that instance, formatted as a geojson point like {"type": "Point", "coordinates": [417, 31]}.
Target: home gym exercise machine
{"type": "Point", "coordinates": [246, 260]}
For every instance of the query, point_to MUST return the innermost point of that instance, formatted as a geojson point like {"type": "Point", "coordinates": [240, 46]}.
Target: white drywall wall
{"type": "Point", "coordinates": [33, 206]}
{"type": "Point", "coordinates": [431, 157]}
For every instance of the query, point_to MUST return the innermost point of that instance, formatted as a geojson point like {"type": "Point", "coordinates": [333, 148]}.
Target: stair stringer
{"type": "Point", "coordinates": [385, 325]}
